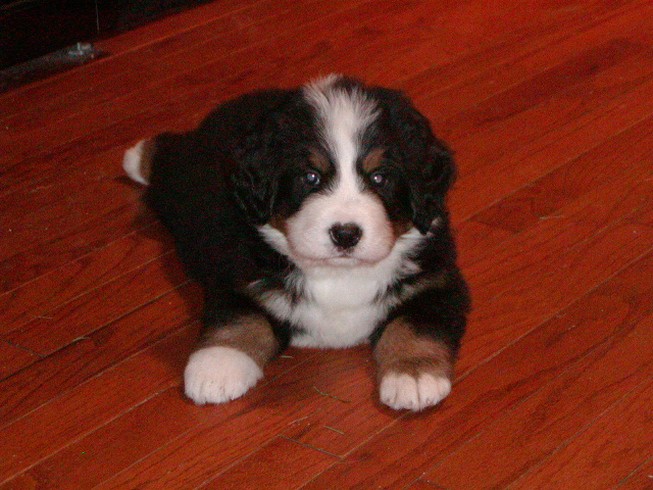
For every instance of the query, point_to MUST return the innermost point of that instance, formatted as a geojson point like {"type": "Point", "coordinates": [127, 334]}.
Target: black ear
{"type": "Point", "coordinates": [255, 189]}
{"type": "Point", "coordinates": [428, 191]}
{"type": "Point", "coordinates": [247, 135]}
{"type": "Point", "coordinates": [429, 165]}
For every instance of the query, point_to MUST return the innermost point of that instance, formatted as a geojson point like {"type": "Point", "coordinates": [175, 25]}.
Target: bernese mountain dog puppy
{"type": "Point", "coordinates": [313, 217]}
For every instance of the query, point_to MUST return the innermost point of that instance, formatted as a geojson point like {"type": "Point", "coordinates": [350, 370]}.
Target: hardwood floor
{"type": "Point", "coordinates": [549, 107]}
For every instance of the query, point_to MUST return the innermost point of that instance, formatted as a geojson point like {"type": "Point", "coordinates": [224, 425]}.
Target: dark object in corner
{"type": "Point", "coordinates": [46, 65]}
{"type": "Point", "coordinates": [30, 29]}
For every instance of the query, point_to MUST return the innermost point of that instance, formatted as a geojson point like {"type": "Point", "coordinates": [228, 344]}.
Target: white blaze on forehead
{"type": "Point", "coordinates": [343, 115]}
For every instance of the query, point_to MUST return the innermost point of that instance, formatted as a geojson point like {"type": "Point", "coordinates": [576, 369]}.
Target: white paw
{"type": "Point", "coordinates": [405, 392]}
{"type": "Point", "coordinates": [133, 161]}
{"type": "Point", "coordinates": [219, 374]}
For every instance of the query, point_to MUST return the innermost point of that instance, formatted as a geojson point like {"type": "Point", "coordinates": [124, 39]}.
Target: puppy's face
{"type": "Point", "coordinates": [355, 172]}
{"type": "Point", "coordinates": [342, 220]}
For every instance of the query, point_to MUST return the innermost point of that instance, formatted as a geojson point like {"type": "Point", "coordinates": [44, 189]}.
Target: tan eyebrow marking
{"type": "Point", "coordinates": [373, 160]}
{"type": "Point", "coordinates": [319, 161]}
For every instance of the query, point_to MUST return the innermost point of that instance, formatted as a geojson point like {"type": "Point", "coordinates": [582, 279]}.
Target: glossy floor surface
{"type": "Point", "coordinates": [549, 107]}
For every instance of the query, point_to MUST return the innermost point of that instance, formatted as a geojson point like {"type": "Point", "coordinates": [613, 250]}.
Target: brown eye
{"type": "Point", "coordinates": [378, 179]}
{"type": "Point", "coordinates": [312, 178]}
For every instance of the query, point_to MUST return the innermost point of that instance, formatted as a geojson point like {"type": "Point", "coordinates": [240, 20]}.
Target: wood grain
{"type": "Point", "coordinates": [47, 251]}
{"type": "Point", "coordinates": [268, 467]}
{"type": "Point", "coordinates": [51, 290]}
{"type": "Point", "coordinates": [89, 356]}
{"type": "Point", "coordinates": [424, 485]}
{"type": "Point", "coordinates": [133, 40]}
{"type": "Point", "coordinates": [98, 307]}
{"type": "Point", "coordinates": [13, 359]}
{"type": "Point", "coordinates": [208, 76]}
{"type": "Point", "coordinates": [641, 478]}
{"type": "Point", "coordinates": [165, 59]}
{"type": "Point", "coordinates": [286, 402]}
{"type": "Point", "coordinates": [468, 13]}
{"type": "Point", "coordinates": [560, 194]}
{"type": "Point", "coordinates": [113, 446]}
{"type": "Point", "coordinates": [607, 451]}
{"type": "Point", "coordinates": [87, 178]}
{"type": "Point", "coordinates": [65, 419]}
{"type": "Point", "coordinates": [518, 298]}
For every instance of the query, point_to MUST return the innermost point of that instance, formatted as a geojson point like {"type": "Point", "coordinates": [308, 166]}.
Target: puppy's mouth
{"type": "Point", "coordinates": [339, 259]}
{"type": "Point", "coordinates": [343, 260]}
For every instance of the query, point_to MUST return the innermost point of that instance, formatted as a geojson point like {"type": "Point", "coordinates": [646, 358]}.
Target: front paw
{"type": "Point", "coordinates": [219, 374]}
{"type": "Point", "coordinates": [403, 391]}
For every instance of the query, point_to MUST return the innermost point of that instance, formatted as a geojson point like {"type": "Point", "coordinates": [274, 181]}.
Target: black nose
{"type": "Point", "coordinates": [345, 236]}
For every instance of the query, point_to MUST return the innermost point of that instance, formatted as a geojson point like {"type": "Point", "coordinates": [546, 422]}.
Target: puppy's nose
{"type": "Point", "coordinates": [345, 236]}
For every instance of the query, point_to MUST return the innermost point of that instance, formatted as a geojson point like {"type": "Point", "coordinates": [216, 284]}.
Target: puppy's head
{"type": "Point", "coordinates": [349, 169]}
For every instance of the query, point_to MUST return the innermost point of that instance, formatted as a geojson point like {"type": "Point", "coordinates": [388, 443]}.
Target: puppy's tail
{"type": "Point", "coordinates": [137, 161]}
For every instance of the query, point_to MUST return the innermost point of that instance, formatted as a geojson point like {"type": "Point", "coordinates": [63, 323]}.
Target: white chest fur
{"type": "Point", "coordinates": [339, 306]}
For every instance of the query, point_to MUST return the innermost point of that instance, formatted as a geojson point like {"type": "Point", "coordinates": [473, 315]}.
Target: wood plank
{"type": "Point", "coordinates": [512, 376]}
{"type": "Point", "coordinates": [206, 77]}
{"type": "Point", "coordinates": [61, 469]}
{"type": "Point", "coordinates": [160, 460]}
{"type": "Point", "coordinates": [213, 15]}
{"type": "Point", "coordinates": [48, 198]}
{"type": "Point", "coordinates": [95, 309]}
{"type": "Point", "coordinates": [114, 446]}
{"type": "Point", "coordinates": [93, 404]}
{"type": "Point", "coordinates": [50, 250]}
{"type": "Point", "coordinates": [49, 291]}
{"type": "Point", "coordinates": [560, 410]}
{"type": "Point", "coordinates": [549, 108]}
{"type": "Point", "coordinates": [552, 196]}
{"type": "Point", "coordinates": [338, 418]}
{"type": "Point", "coordinates": [524, 51]}
{"type": "Point", "coordinates": [607, 451]}
{"type": "Point", "coordinates": [54, 200]}
{"type": "Point", "coordinates": [519, 291]}
{"type": "Point", "coordinates": [172, 26]}
{"type": "Point", "coordinates": [587, 65]}
{"type": "Point", "coordinates": [13, 359]}
{"type": "Point", "coordinates": [71, 205]}
{"type": "Point", "coordinates": [75, 364]}
{"type": "Point", "coordinates": [571, 138]}
{"type": "Point", "coordinates": [64, 246]}
{"type": "Point", "coordinates": [557, 147]}
{"type": "Point", "coordinates": [281, 464]}
{"type": "Point", "coordinates": [424, 485]}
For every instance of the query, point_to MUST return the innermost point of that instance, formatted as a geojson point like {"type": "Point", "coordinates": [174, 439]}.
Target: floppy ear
{"type": "Point", "coordinates": [246, 133]}
{"type": "Point", "coordinates": [435, 177]}
{"type": "Point", "coordinates": [255, 188]}
{"type": "Point", "coordinates": [426, 159]}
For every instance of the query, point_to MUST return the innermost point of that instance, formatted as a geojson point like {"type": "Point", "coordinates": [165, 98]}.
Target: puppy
{"type": "Point", "coordinates": [313, 217]}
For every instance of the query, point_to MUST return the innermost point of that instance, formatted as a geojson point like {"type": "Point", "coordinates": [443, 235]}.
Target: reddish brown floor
{"type": "Point", "coordinates": [549, 106]}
